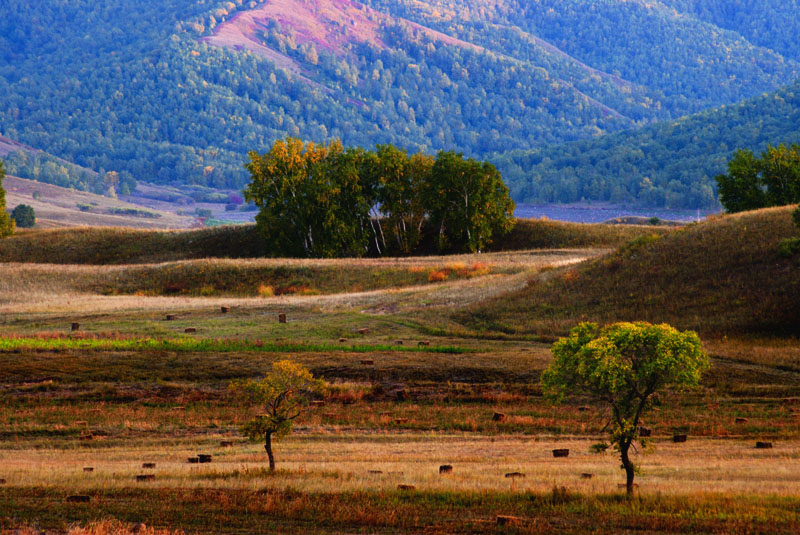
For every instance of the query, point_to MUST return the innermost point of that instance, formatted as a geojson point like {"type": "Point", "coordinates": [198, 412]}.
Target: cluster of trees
{"type": "Point", "coordinates": [621, 366]}
{"type": "Point", "coordinates": [757, 182]}
{"type": "Point", "coordinates": [328, 201]}
{"type": "Point", "coordinates": [143, 97]}
{"type": "Point", "coordinates": [752, 183]}
{"type": "Point", "coordinates": [24, 216]}
{"type": "Point", "coordinates": [6, 224]}
{"type": "Point", "coordinates": [670, 164]}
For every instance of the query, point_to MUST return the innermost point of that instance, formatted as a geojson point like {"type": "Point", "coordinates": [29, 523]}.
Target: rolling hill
{"type": "Point", "coordinates": [720, 277]}
{"type": "Point", "coordinates": [178, 91]}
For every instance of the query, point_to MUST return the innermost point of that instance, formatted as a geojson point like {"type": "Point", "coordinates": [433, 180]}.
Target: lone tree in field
{"type": "Point", "coordinates": [6, 225]}
{"type": "Point", "coordinates": [622, 366]}
{"type": "Point", "coordinates": [285, 394]}
{"type": "Point", "coordinates": [24, 216]}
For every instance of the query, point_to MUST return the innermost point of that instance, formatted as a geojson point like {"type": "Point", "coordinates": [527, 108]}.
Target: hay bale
{"type": "Point", "coordinates": [498, 417]}
{"type": "Point", "coordinates": [679, 438]}
{"type": "Point", "coordinates": [224, 310]}
{"type": "Point", "coordinates": [145, 477]}
{"type": "Point", "coordinates": [193, 460]}
{"type": "Point", "coordinates": [587, 475]}
{"type": "Point", "coordinates": [342, 340]}
{"type": "Point", "coordinates": [76, 326]}
{"type": "Point", "coordinates": [170, 317]}
{"type": "Point", "coordinates": [741, 420]}
{"type": "Point", "coordinates": [190, 330]}
{"type": "Point", "coordinates": [281, 318]}
{"type": "Point", "coordinates": [446, 469]}
{"type": "Point", "coordinates": [367, 362]}
{"type": "Point", "coordinates": [363, 331]}
{"type": "Point", "coordinates": [78, 499]}
{"type": "Point", "coordinates": [88, 468]}
{"type": "Point", "coordinates": [406, 488]}
{"type": "Point", "coordinates": [204, 458]}
{"type": "Point", "coordinates": [508, 520]}
{"type": "Point", "coordinates": [645, 432]}
{"type": "Point", "coordinates": [149, 465]}
{"type": "Point", "coordinates": [515, 475]}
{"type": "Point", "coordinates": [562, 452]}
{"type": "Point", "coordinates": [763, 445]}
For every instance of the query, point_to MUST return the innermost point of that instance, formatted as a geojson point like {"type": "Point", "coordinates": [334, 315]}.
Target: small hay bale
{"type": "Point", "coordinates": [363, 330]}
{"type": "Point", "coordinates": [149, 465]}
{"type": "Point", "coordinates": [446, 469]}
{"type": "Point", "coordinates": [741, 420]}
{"type": "Point", "coordinates": [645, 432]}
{"type": "Point", "coordinates": [508, 520]}
{"type": "Point", "coordinates": [281, 318]}
{"type": "Point", "coordinates": [342, 340]}
{"type": "Point", "coordinates": [562, 452]}
{"type": "Point", "coordinates": [401, 420]}
{"type": "Point", "coordinates": [679, 438]}
{"type": "Point", "coordinates": [514, 475]}
{"type": "Point", "coordinates": [78, 499]}
{"type": "Point", "coordinates": [204, 458]}
{"type": "Point", "coordinates": [587, 475]}
{"type": "Point", "coordinates": [88, 468]}
{"type": "Point", "coordinates": [224, 310]}
{"type": "Point", "coordinates": [145, 477]}
{"type": "Point", "coordinates": [193, 460]}
{"type": "Point", "coordinates": [763, 445]}
{"type": "Point", "coordinates": [406, 487]}
{"type": "Point", "coordinates": [76, 326]}
{"type": "Point", "coordinates": [367, 362]}
{"type": "Point", "coordinates": [170, 317]}
{"type": "Point", "coordinates": [498, 417]}
{"type": "Point", "coordinates": [190, 330]}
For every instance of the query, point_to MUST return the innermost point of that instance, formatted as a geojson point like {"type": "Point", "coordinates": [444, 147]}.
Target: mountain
{"type": "Point", "coordinates": [669, 164]}
{"type": "Point", "coordinates": [178, 91]}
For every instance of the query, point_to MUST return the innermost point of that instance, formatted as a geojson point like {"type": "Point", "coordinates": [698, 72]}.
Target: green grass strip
{"type": "Point", "coordinates": [201, 345]}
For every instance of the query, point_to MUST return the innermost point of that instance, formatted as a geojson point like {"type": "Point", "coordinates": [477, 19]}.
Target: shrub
{"type": "Point", "coordinates": [24, 216]}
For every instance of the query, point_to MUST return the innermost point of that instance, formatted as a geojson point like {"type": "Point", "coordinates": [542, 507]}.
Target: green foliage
{"type": "Point", "coordinates": [6, 223]}
{"type": "Point", "coordinates": [752, 183]}
{"type": "Point", "coordinates": [622, 366]}
{"type": "Point", "coordinates": [24, 216]}
{"type": "Point", "coordinates": [283, 395]}
{"type": "Point", "coordinates": [468, 202]}
{"type": "Point", "coordinates": [321, 200]}
{"type": "Point", "coordinates": [796, 217]}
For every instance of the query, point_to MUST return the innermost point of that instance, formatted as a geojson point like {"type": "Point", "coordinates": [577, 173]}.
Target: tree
{"type": "Point", "coordinates": [24, 216]}
{"type": "Point", "coordinates": [285, 394]}
{"type": "Point", "coordinates": [622, 366]}
{"type": "Point", "coordinates": [752, 183]}
{"type": "Point", "coordinates": [467, 202]}
{"type": "Point", "coordinates": [6, 223]}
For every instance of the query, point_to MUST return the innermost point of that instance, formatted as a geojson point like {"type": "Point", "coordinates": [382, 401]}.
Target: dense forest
{"type": "Point", "coordinates": [132, 89]}
{"type": "Point", "coordinates": [670, 164]}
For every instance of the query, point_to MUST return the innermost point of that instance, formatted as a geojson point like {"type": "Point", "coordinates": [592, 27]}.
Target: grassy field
{"type": "Point", "coordinates": [416, 365]}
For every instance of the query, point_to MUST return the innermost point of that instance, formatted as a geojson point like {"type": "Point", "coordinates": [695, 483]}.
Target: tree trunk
{"type": "Point", "coordinates": [628, 465]}
{"type": "Point", "coordinates": [268, 447]}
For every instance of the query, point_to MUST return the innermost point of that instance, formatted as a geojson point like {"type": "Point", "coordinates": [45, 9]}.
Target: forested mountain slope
{"type": "Point", "coordinates": [667, 164]}
{"type": "Point", "coordinates": [177, 91]}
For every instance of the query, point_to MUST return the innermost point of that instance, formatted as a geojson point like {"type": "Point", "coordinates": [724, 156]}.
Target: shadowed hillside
{"type": "Point", "coordinates": [723, 276]}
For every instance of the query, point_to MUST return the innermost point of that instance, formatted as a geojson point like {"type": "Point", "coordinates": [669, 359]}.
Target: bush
{"type": "Point", "coordinates": [24, 216]}
{"type": "Point", "coordinates": [789, 247]}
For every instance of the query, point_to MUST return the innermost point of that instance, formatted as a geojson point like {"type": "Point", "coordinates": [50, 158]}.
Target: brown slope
{"type": "Point", "coordinates": [723, 276]}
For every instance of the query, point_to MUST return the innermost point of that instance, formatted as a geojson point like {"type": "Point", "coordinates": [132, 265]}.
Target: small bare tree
{"type": "Point", "coordinates": [285, 393]}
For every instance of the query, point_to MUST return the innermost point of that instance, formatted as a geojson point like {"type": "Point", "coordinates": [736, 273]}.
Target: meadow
{"type": "Point", "coordinates": [417, 366]}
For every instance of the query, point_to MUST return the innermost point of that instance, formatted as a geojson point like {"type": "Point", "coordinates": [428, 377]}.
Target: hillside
{"type": "Point", "coordinates": [178, 91]}
{"type": "Point", "coordinates": [666, 164]}
{"type": "Point", "coordinates": [62, 207]}
{"type": "Point", "coordinates": [720, 277]}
